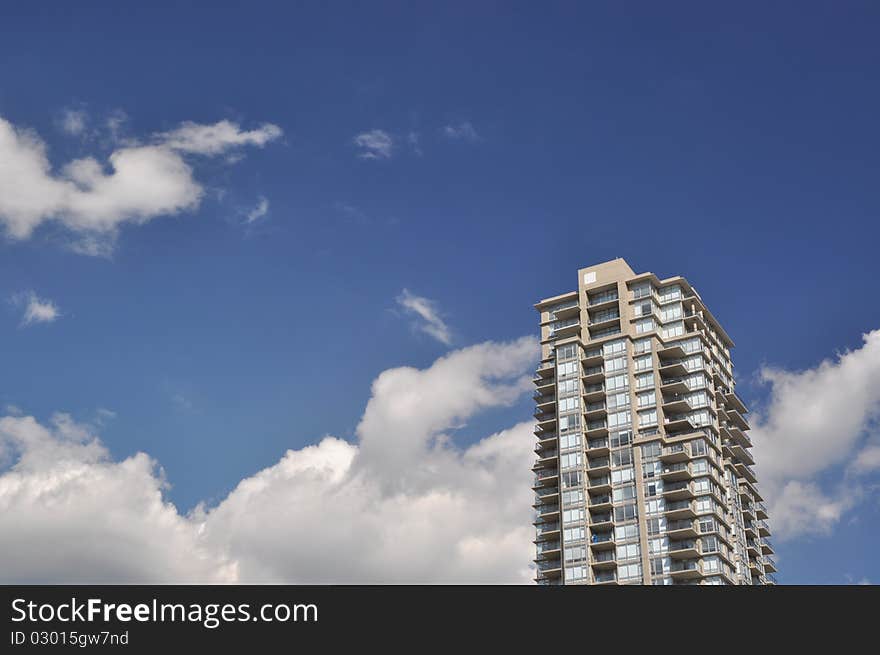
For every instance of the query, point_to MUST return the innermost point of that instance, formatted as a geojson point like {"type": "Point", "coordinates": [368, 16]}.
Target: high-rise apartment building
{"type": "Point", "coordinates": [643, 471]}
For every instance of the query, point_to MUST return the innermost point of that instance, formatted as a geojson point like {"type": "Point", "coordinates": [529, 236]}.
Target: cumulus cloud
{"type": "Point", "coordinates": [403, 504]}
{"type": "Point", "coordinates": [69, 513]}
{"type": "Point", "coordinates": [461, 132]}
{"type": "Point", "coordinates": [819, 422]}
{"type": "Point", "coordinates": [258, 211]}
{"type": "Point", "coordinates": [375, 144]}
{"type": "Point", "coordinates": [429, 316]}
{"type": "Point", "coordinates": [36, 309]}
{"type": "Point", "coordinates": [92, 199]}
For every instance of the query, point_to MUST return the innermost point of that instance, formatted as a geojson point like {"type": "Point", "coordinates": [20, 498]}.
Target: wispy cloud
{"type": "Point", "coordinates": [258, 211]}
{"type": "Point", "coordinates": [375, 144]}
{"type": "Point", "coordinates": [461, 132]}
{"type": "Point", "coordinates": [428, 314]}
{"type": "Point", "coordinates": [36, 309]}
{"type": "Point", "coordinates": [73, 121]}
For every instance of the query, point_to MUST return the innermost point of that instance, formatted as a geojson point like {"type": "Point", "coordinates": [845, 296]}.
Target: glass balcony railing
{"type": "Point", "coordinates": [545, 528]}
{"type": "Point", "coordinates": [600, 500]}
{"type": "Point", "coordinates": [598, 462]}
{"type": "Point", "coordinates": [599, 298]}
{"type": "Point", "coordinates": [605, 576]}
{"type": "Point", "coordinates": [547, 546]}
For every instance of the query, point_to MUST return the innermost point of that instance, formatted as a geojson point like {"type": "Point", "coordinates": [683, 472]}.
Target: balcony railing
{"type": "Point", "coordinates": [598, 538]}
{"type": "Point", "coordinates": [546, 473]}
{"type": "Point", "coordinates": [606, 296]}
{"type": "Point", "coordinates": [545, 528]}
{"type": "Point", "coordinates": [546, 546]}
{"type": "Point", "coordinates": [600, 500]}
{"type": "Point", "coordinates": [605, 576]}
{"type": "Point", "coordinates": [598, 463]}
{"type": "Point", "coordinates": [548, 566]}
{"type": "Point", "coordinates": [600, 481]}
{"type": "Point", "coordinates": [603, 556]}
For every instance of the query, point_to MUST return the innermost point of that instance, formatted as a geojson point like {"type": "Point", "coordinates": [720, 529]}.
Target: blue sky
{"type": "Point", "coordinates": [527, 141]}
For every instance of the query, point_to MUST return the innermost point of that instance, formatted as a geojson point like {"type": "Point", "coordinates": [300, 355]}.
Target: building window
{"type": "Point", "coordinates": [647, 399]}
{"type": "Point", "coordinates": [648, 418]}
{"type": "Point", "coordinates": [644, 325]}
{"type": "Point", "coordinates": [645, 380]}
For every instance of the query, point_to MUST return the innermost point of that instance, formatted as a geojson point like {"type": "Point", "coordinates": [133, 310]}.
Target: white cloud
{"type": "Point", "coordinates": [217, 138]}
{"type": "Point", "coordinates": [375, 144]}
{"type": "Point", "coordinates": [143, 182]}
{"type": "Point", "coordinates": [405, 504]}
{"type": "Point", "coordinates": [258, 211]}
{"type": "Point", "coordinates": [68, 513]}
{"type": "Point", "coordinates": [73, 121]}
{"type": "Point", "coordinates": [431, 323]}
{"type": "Point", "coordinates": [816, 425]}
{"type": "Point", "coordinates": [462, 132]}
{"type": "Point", "coordinates": [36, 309]}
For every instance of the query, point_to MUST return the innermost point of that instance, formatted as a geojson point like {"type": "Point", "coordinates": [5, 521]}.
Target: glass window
{"type": "Point", "coordinates": [647, 399]}
{"type": "Point", "coordinates": [644, 380]}
{"type": "Point", "coordinates": [642, 346]}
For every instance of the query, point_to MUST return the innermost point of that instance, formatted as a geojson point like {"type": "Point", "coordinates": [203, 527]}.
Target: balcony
{"type": "Point", "coordinates": [749, 490]}
{"type": "Point", "coordinates": [746, 471]}
{"type": "Point", "coordinates": [770, 565]}
{"type": "Point", "coordinates": [761, 511]}
{"type": "Point", "coordinates": [673, 472]}
{"type": "Point", "coordinates": [674, 385]}
{"type": "Point", "coordinates": [564, 311]}
{"type": "Point", "coordinates": [593, 357]}
{"type": "Point", "coordinates": [596, 447]}
{"type": "Point", "coordinates": [605, 577]}
{"type": "Point", "coordinates": [602, 298]}
{"type": "Point", "coordinates": [595, 411]}
{"type": "Point", "coordinates": [677, 423]}
{"type": "Point", "coordinates": [740, 453]}
{"type": "Point", "coordinates": [545, 401]}
{"type": "Point", "coordinates": [675, 404]}
{"type": "Point", "coordinates": [675, 453]}
{"type": "Point", "coordinates": [545, 439]}
{"type": "Point", "coordinates": [681, 529]}
{"type": "Point", "coordinates": [735, 435]}
{"type": "Point", "coordinates": [545, 385]}
{"type": "Point", "coordinates": [763, 529]}
{"type": "Point", "coordinates": [600, 541]}
{"type": "Point", "coordinates": [681, 509]}
{"type": "Point", "coordinates": [600, 503]}
{"type": "Point", "coordinates": [549, 566]}
{"type": "Point", "coordinates": [598, 466]}
{"type": "Point", "coordinates": [548, 511]}
{"type": "Point", "coordinates": [603, 319]}
{"type": "Point", "coordinates": [678, 491]}
{"type": "Point", "coordinates": [548, 549]}
{"type": "Point", "coordinates": [547, 456]}
{"type": "Point", "coordinates": [672, 352]}
{"type": "Point", "coordinates": [546, 369]}
{"type": "Point", "coordinates": [737, 419]}
{"type": "Point", "coordinates": [673, 367]}
{"type": "Point", "coordinates": [688, 569]}
{"type": "Point", "coordinates": [569, 328]}
{"type": "Point", "coordinates": [545, 477]}
{"type": "Point", "coordinates": [545, 530]}
{"type": "Point", "coordinates": [599, 485]}
{"type": "Point", "coordinates": [600, 521]}
{"type": "Point", "coordinates": [603, 560]}
{"type": "Point", "coordinates": [593, 374]}
{"type": "Point", "coordinates": [731, 400]}
{"type": "Point", "coordinates": [544, 493]}
{"type": "Point", "coordinates": [596, 429]}
{"type": "Point", "coordinates": [594, 392]}
{"type": "Point", "coordinates": [686, 549]}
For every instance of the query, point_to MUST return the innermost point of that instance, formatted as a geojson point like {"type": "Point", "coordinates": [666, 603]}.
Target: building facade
{"type": "Point", "coordinates": [643, 472]}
